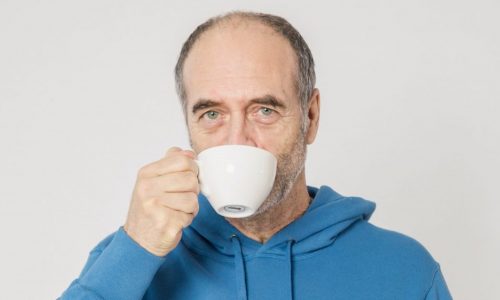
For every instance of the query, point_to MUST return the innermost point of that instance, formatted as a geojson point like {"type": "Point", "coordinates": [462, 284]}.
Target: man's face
{"type": "Point", "coordinates": [240, 87]}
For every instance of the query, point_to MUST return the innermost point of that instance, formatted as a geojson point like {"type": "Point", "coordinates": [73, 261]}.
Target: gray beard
{"type": "Point", "coordinates": [290, 166]}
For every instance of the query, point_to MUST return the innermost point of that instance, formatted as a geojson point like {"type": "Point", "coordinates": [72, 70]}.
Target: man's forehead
{"type": "Point", "coordinates": [247, 55]}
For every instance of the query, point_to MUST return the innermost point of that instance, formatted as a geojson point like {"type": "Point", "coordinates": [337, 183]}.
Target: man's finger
{"type": "Point", "coordinates": [172, 150]}
{"type": "Point", "coordinates": [189, 153]}
{"type": "Point", "coordinates": [184, 202]}
{"type": "Point", "coordinates": [175, 162]}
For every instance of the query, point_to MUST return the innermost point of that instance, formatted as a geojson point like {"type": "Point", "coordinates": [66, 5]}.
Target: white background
{"type": "Point", "coordinates": [410, 119]}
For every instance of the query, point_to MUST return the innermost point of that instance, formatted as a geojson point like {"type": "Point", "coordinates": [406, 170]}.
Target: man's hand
{"type": "Point", "coordinates": [164, 201]}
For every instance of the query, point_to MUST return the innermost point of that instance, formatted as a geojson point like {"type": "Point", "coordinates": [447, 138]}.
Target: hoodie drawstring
{"type": "Point", "coordinates": [289, 259]}
{"type": "Point", "coordinates": [239, 265]}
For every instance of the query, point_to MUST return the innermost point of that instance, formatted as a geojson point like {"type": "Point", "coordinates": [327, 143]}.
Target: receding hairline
{"type": "Point", "coordinates": [238, 20]}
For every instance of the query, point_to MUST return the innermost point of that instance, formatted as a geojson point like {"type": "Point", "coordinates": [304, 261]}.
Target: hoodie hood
{"type": "Point", "coordinates": [327, 217]}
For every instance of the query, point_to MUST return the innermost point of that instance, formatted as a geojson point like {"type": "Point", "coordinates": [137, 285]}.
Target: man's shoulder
{"type": "Point", "coordinates": [388, 246]}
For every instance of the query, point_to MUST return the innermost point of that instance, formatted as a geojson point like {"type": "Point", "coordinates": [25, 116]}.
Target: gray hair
{"type": "Point", "coordinates": [306, 77]}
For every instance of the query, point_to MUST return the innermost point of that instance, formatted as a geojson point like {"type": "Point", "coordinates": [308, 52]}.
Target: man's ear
{"type": "Point", "coordinates": [313, 116]}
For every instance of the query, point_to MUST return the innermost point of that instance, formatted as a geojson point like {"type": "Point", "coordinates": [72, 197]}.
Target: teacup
{"type": "Point", "coordinates": [236, 179]}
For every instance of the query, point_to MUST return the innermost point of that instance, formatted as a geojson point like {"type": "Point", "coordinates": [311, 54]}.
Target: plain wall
{"type": "Point", "coordinates": [409, 119]}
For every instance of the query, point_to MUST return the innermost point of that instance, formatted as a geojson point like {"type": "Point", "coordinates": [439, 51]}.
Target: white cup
{"type": "Point", "coordinates": [236, 179]}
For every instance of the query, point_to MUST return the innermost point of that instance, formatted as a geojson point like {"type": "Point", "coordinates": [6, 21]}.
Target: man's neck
{"type": "Point", "coordinates": [263, 226]}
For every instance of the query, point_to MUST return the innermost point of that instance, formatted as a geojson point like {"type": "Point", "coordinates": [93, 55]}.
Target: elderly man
{"type": "Point", "coordinates": [248, 78]}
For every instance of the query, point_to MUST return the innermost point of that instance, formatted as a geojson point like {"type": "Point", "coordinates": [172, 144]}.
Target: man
{"type": "Point", "coordinates": [247, 78]}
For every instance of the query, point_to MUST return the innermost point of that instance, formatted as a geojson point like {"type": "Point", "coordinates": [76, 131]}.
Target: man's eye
{"type": "Point", "coordinates": [266, 111]}
{"type": "Point", "coordinates": [212, 115]}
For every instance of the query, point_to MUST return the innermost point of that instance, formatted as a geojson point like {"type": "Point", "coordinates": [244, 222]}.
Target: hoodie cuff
{"type": "Point", "coordinates": [124, 270]}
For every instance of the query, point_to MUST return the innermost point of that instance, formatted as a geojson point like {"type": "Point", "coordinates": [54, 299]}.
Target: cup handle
{"type": "Point", "coordinates": [203, 188]}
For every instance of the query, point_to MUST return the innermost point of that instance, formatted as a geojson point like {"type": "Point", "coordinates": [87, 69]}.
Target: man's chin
{"type": "Point", "coordinates": [277, 196]}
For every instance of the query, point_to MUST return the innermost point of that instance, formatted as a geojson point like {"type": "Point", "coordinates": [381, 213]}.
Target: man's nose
{"type": "Point", "coordinates": [240, 132]}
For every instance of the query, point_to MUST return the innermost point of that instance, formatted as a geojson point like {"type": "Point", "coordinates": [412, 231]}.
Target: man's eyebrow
{"type": "Point", "coordinates": [264, 100]}
{"type": "Point", "coordinates": [203, 104]}
{"type": "Point", "coordinates": [269, 100]}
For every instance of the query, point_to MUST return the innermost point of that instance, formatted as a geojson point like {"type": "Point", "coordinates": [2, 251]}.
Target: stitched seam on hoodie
{"type": "Point", "coordinates": [90, 290]}
{"type": "Point", "coordinates": [248, 258]}
{"type": "Point", "coordinates": [202, 252]}
{"type": "Point", "coordinates": [436, 270]}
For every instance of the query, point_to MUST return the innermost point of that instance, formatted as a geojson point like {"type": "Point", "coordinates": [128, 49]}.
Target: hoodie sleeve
{"type": "Point", "coordinates": [439, 289]}
{"type": "Point", "coordinates": [118, 268]}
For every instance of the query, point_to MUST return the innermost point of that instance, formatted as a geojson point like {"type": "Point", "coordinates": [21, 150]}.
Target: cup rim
{"type": "Point", "coordinates": [253, 148]}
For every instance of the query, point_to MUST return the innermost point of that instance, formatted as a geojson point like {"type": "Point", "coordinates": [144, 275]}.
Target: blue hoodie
{"type": "Point", "coordinates": [331, 252]}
